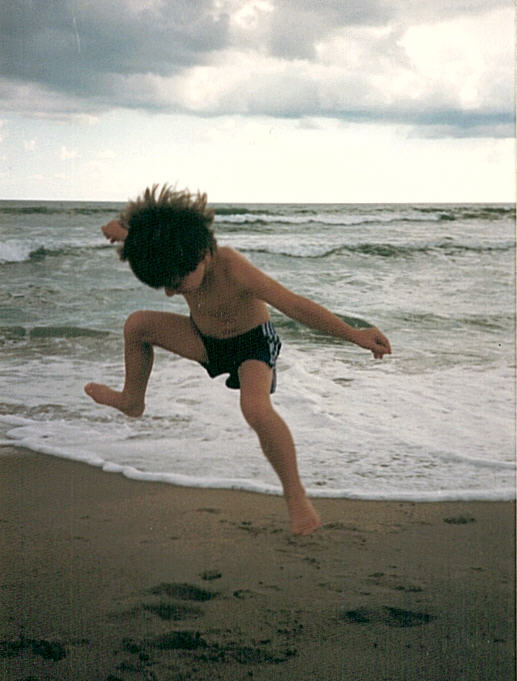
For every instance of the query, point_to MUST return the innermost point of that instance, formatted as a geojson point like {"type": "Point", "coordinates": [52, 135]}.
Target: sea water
{"type": "Point", "coordinates": [433, 421]}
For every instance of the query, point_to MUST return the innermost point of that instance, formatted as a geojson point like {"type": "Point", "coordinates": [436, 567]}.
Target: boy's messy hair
{"type": "Point", "coordinates": [169, 234]}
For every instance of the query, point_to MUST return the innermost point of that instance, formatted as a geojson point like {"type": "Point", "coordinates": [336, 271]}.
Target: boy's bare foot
{"type": "Point", "coordinates": [304, 518]}
{"type": "Point", "coordinates": [113, 398]}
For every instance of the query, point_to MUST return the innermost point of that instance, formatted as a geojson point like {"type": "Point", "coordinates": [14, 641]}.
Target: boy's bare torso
{"type": "Point", "coordinates": [222, 306]}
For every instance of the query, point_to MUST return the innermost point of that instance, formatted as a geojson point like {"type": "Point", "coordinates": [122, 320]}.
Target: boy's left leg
{"type": "Point", "coordinates": [276, 441]}
{"type": "Point", "coordinates": [144, 330]}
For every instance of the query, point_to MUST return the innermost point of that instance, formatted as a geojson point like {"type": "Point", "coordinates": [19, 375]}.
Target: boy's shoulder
{"type": "Point", "coordinates": [235, 267]}
{"type": "Point", "coordinates": [229, 259]}
{"type": "Point", "coordinates": [241, 272]}
{"type": "Point", "coordinates": [235, 263]}
{"type": "Point", "coordinates": [225, 253]}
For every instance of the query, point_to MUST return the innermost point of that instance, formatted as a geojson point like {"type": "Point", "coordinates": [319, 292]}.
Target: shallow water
{"type": "Point", "coordinates": [433, 421]}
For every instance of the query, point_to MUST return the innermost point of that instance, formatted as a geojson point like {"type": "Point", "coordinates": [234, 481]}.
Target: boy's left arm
{"type": "Point", "coordinates": [307, 311]}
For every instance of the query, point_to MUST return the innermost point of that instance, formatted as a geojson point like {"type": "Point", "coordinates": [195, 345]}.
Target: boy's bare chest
{"type": "Point", "coordinates": [219, 311]}
{"type": "Point", "coordinates": [226, 311]}
{"type": "Point", "coordinates": [216, 306]}
{"type": "Point", "coordinates": [222, 307]}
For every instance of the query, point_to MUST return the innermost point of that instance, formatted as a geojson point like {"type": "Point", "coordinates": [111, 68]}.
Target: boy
{"type": "Point", "coordinates": [168, 241]}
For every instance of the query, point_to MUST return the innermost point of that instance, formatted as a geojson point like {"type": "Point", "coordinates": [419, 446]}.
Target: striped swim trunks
{"type": "Point", "coordinates": [225, 355]}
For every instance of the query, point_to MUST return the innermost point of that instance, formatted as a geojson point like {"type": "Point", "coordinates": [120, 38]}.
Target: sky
{"type": "Point", "coordinates": [258, 100]}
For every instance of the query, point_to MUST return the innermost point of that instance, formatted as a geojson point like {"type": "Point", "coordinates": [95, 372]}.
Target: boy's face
{"type": "Point", "coordinates": [190, 283]}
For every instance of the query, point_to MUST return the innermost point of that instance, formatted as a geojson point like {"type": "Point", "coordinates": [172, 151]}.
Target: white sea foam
{"type": "Point", "coordinates": [250, 485]}
{"type": "Point", "coordinates": [17, 250]}
{"type": "Point", "coordinates": [22, 250]}
{"type": "Point", "coordinates": [194, 435]}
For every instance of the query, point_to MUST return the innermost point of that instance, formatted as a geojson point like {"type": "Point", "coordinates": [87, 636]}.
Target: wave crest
{"type": "Point", "coordinates": [19, 332]}
{"type": "Point", "coordinates": [386, 250]}
{"type": "Point", "coordinates": [19, 250]}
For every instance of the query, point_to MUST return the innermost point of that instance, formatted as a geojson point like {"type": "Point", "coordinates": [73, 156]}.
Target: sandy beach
{"type": "Point", "coordinates": [107, 579]}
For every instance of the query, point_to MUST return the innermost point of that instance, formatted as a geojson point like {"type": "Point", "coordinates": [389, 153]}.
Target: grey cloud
{"type": "Point", "coordinates": [72, 46]}
{"type": "Point", "coordinates": [295, 27]}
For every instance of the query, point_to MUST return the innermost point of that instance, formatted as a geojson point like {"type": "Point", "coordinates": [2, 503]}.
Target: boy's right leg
{"type": "Point", "coordinates": [143, 330]}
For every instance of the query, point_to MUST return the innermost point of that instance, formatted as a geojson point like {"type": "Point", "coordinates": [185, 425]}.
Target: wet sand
{"type": "Point", "coordinates": [105, 578]}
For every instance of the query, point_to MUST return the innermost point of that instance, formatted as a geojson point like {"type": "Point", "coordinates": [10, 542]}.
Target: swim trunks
{"type": "Point", "coordinates": [225, 355]}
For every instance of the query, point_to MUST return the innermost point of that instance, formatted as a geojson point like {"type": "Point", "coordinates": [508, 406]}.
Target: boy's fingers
{"type": "Point", "coordinates": [384, 342]}
{"type": "Point", "coordinates": [377, 343]}
{"type": "Point", "coordinates": [383, 348]}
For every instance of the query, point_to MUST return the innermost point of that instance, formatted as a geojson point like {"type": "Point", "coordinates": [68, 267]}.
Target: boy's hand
{"type": "Point", "coordinates": [114, 231]}
{"type": "Point", "coordinates": [372, 339]}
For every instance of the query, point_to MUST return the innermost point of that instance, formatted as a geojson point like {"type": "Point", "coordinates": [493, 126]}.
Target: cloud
{"type": "Point", "coordinates": [29, 145]}
{"type": "Point", "coordinates": [79, 47]}
{"type": "Point", "coordinates": [418, 76]}
{"type": "Point", "coordinates": [445, 66]}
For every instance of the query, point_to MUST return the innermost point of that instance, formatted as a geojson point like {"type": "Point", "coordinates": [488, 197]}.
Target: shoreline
{"type": "Point", "coordinates": [185, 482]}
{"type": "Point", "coordinates": [109, 577]}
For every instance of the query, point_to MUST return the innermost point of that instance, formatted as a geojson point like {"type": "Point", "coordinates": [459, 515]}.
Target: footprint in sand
{"type": "Point", "coordinates": [459, 520]}
{"type": "Point", "coordinates": [168, 610]}
{"type": "Point", "coordinates": [392, 617]}
{"type": "Point", "coordinates": [172, 611]}
{"type": "Point", "coordinates": [183, 592]}
{"type": "Point", "coordinates": [209, 575]}
{"type": "Point", "coordinates": [194, 644]}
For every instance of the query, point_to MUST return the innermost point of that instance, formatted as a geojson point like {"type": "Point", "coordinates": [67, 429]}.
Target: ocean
{"type": "Point", "coordinates": [434, 421]}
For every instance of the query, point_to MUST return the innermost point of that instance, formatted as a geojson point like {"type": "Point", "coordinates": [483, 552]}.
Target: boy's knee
{"type": "Point", "coordinates": [135, 324]}
{"type": "Point", "coordinates": [257, 412]}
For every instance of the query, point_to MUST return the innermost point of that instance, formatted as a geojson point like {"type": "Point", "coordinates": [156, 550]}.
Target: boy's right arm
{"type": "Point", "coordinates": [115, 231]}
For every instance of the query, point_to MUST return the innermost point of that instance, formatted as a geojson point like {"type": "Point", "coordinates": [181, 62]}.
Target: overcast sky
{"type": "Point", "coordinates": [258, 100]}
